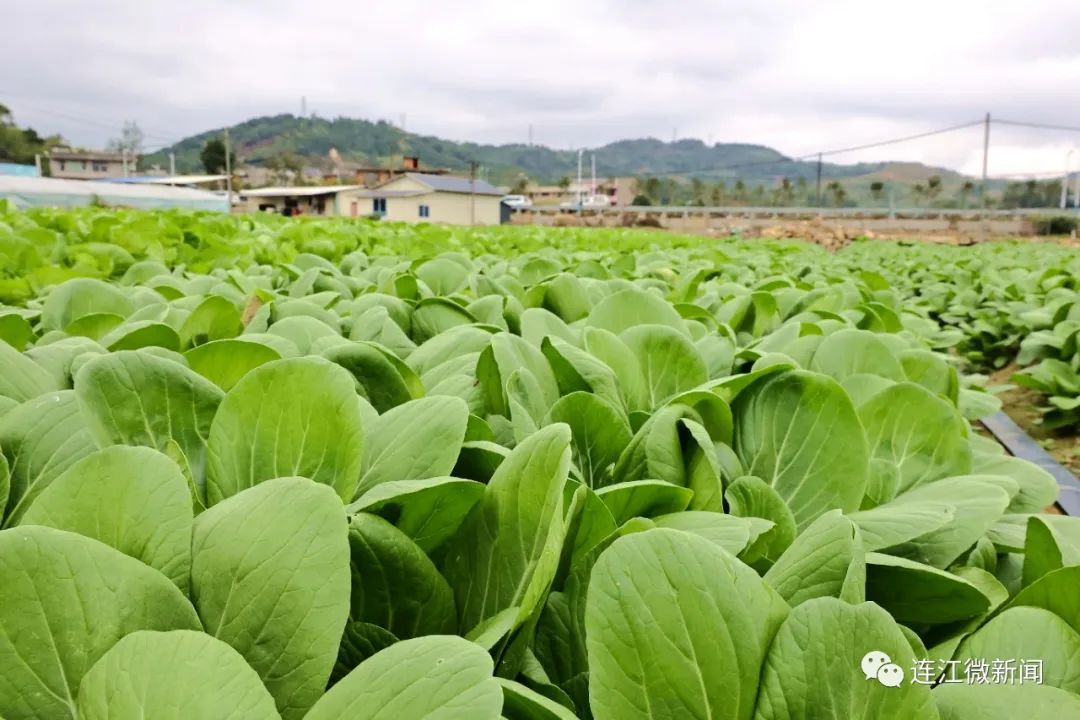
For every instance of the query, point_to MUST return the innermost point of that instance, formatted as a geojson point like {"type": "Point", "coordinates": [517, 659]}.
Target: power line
{"type": "Point", "coordinates": [89, 121]}
{"type": "Point", "coordinates": [892, 141]}
{"type": "Point", "coordinates": [1042, 126]}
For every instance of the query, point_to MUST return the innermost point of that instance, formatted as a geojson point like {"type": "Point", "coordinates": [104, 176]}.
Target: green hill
{"type": "Point", "coordinates": [378, 143]}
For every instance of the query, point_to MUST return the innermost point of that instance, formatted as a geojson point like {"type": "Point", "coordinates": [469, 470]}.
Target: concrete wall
{"type": "Point", "coordinates": [452, 208]}
{"type": "Point", "coordinates": [699, 222]}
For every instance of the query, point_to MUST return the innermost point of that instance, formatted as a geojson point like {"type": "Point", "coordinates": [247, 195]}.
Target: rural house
{"type": "Point", "coordinates": [419, 197]}
{"type": "Point", "coordinates": [412, 197]}
{"type": "Point", "coordinates": [88, 164]}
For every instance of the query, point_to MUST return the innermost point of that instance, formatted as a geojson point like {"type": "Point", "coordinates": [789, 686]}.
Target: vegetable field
{"type": "Point", "coordinates": [256, 468]}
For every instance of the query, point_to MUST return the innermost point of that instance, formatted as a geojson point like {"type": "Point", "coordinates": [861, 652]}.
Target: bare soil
{"type": "Point", "coordinates": [1023, 406]}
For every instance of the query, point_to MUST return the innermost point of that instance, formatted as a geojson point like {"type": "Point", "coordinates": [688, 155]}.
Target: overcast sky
{"type": "Point", "coordinates": [798, 76]}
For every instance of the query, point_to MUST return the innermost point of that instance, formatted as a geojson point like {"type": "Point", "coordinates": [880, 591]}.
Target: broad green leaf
{"type": "Point", "coordinates": [359, 642]}
{"type": "Point", "coordinates": [922, 434]}
{"type": "Point", "coordinates": [385, 381]}
{"type": "Point", "coordinates": [215, 318]}
{"type": "Point", "coordinates": [1004, 702]}
{"type": "Point", "coordinates": [177, 675]}
{"type": "Point", "coordinates": [132, 498]}
{"type": "Point", "coordinates": [752, 497]}
{"type": "Point", "coordinates": [1052, 542]}
{"type": "Point", "coordinates": [627, 308]}
{"type": "Point", "coordinates": [710, 621]}
{"type": "Point", "coordinates": [849, 352]}
{"type": "Point", "coordinates": [22, 379]}
{"type": "Point", "coordinates": [1038, 488]}
{"type": "Point", "coordinates": [282, 603]}
{"type": "Point", "coordinates": [40, 439]}
{"type": "Point", "coordinates": [428, 511]}
{"type": "Point", "coordinates": [135, 334]}
{"type": "Point", "coordinates": [901, 521]}
{"type": "Point", "coordinates": [394, 584]}
{"type": "Point", "coordinates": [437, 677]}
{"type": "Point", "coordinates": [917, 593]}
{"type": "Point", "coordinates": [644, 498]}
{"type": "Point", "coordinates": [83, 296]}
{"type": "Point", "coordinates": [521, 703]}
{"type": "Point", "coordinates": [729, 532]}
{"type": "Point", "coordinates": [826, 560]}
{"type": "Point", "coordinates": [798, 431]}
{"type": "Point", "coordinates": [64, 601]}
{"type": "Point", "coordinates": [293, 417]}
{"type": "Point", "coordinates": [1029, 633]}
{"type": "Point", "coordinates": [134, 398]}
{"type": "Point", "coordinates": [417, 440]}
{"type": "Point", "coordinates": [433, 316]}
{"type": "Point", "coordinates": [814, 668]}
{"type": "Point", "coordinates": [613, 352]}
{"type": "Point", "coordinates": [599, 433]}
{"type": "Point", "coordinates": [976, 502]}
{"type": "Point", "coordinates": [302, 331]}
{"type": "Point", "coordinates": [670, 364]}
{"type": "Point", "coordinates": [1055, 591]}
{"type": "Point", "coordinates": [224, 362]}
{"type": "Point", "coordinates": [492, 560]}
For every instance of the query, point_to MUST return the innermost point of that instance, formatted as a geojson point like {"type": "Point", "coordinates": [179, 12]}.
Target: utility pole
{"type": "Point", "coordinates": [37, 163]}
{"type": "Point", "coordinates": [1065, 179]}
{"type": "Point", "coordinates": [472, 192]}
{"type": "Point", "coordinates": [594, 174]}
{"type": "Point", "coordinates": [982, 186]}
{"type": "Point", "coordinates": [228, 171]}
{"type": "Point", "coordinates": [123, 160]}
{"type": "Point", "coordinates": [580, 153]}
{"type": "Point", "coordinates": [172, 164]}
{"type": "Point", "coordinates": [402, 122]}
{"type": "Point", "coordinates": [303, 106]}
{"type": "Point", "coordinates": [819, 179]}
{"type": "Point", "coordinates": [530, 134]}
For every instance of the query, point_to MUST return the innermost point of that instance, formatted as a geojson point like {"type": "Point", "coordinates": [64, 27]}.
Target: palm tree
{"type": "Point", "coordinates": [740, 191]}
{"type": "Point", "coordinates": [876, 189]}
{"type": "Point", "coordinates": [965, 191]}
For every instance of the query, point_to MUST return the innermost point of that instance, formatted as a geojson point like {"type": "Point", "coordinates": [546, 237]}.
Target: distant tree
{"type": "Point", "coordinates": [213, 156]}
{"type": "Point", "coordinates": [965, 192]}
{"type": "Point", "coordinates": [641, 200]}
{"type": "Point", "coordinates": [697, 191]}
{"type": "Point", "coordinates": [837, 194]}
{"type": "Point", "coordinates": [131, 139]}
{"type": "Point", "coordinates": [20, 145]}
{"type": "Point", "coordinates": [651, 189]}
{"type": "Point", "coordinates": [564, 183]}
{"type": "Point", "coordinates": [877, 189]}
{"type": "Point", "coordinates": [933, 187]}
{"type": "Point", "coordinates": [918, 192]}
{"type": "Point", "coordinates": [785, 193]}
{"type": "Point", "coordinates": [739, 190]}
{"type": "Point", "coordinates": [757, 195]}
{"type": "Point", "coordinates": [802, 189]}
{"type": "Point", "coordinates": [520, 186]}
{"type": "Point", "coordinates": [719, 194]}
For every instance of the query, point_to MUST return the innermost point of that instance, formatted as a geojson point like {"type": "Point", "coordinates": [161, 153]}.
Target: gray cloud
{"type": "Point", "coordinates": [794, 75]}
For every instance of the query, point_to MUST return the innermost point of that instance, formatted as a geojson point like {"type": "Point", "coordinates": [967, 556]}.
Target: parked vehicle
{"type": "Point", "coordinates": [588, 202]}
{"type": "Point", "coordinates": [517, 202]}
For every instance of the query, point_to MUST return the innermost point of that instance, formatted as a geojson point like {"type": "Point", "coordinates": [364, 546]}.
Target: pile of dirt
{"type": "Point", "coordinates": [830, 235]}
